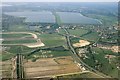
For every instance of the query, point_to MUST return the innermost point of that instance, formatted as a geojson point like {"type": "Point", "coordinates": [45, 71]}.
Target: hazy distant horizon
{"type": "Point", "coordinates": [60, 0]}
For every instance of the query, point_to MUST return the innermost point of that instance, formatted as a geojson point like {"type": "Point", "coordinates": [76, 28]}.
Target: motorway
{"type": "Point", "coordinates": [20, 69]}
{"type": "Point", "coordinates": [76, 57]}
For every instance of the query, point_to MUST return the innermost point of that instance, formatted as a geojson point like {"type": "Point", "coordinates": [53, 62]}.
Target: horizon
{"type": "Point", "coordinates": [60, 1]}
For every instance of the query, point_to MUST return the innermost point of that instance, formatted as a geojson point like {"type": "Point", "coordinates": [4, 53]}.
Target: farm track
{"type": "Point", "coordinates": [14, 67]}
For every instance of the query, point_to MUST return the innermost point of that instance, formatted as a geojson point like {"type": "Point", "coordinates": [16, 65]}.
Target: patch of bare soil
{"type": "Point", "coordinates": [50, 67]}
{"type": "Point", "coordinates": [6, 68]}
{"type": "Point", "coordinates": [115, 49]}
{"type": "Point", "coordinates": [81, 43]}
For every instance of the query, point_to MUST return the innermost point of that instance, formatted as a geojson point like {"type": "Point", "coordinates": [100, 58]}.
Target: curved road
{"type": "Point", "coordinates": [77, 58]}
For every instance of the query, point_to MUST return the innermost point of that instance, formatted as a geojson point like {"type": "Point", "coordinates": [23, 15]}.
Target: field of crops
{"type": "Point", "coordinates": [50, 67]}
{"type": "Point", "coordinates": [93, 36]}
{"type": "Point", "coordinates": [52, 39]}
{"type": "Point", "coordinates": [19, 41]}
{"type": "Point", "coordinates": [76, 18]}
{"type": "Point", "coordinates": [6, 71]}
{"type": "Point", "coordinates": [79, 75]}
{"type": "Point", "coordinates": [105, 19]}
{"type": "Point", "coordinates": [78, 32]}
{"type": "Point", "coordinates": [6, 56]}
{"type": "Point", "coordinates": [15, 35]}
{"type": "Point", "coordinates": [17, 38]}
{"type": "Point", "coordinates": [19, 28]}
{"type": "Point", "coordinates": [47, 54]}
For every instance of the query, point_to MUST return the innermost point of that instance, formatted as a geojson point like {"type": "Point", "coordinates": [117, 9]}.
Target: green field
{"type": "Point", "coordinates": [14, 49]}
{"type": "Point", "coordinates": [52, 39]}
{"type": "Point", "coordinates": [17, 38]}
{"type": "Point", "coordinates": [75, 40]}
{"type": "Point", "coordinates": [83, 34]}
{"type": "Point", "coordinates": [6, 55]}
{"type": "Point", "coordinates": [47, 54]}
{"type": "Point", "coordinates": [15, 35]}
{"type": "Point", "coordinates": [77, 32]}
{"type": "Point", "coordinates": [106, 20]}
{"type": "Point", "coordinates": [18, 28]}
{"type": "Point", "coordinates": [93, 36]}
{"type": "Point", "coordinates": [19, 41]}
{"type": "Point", "coordinates": [61, 31]}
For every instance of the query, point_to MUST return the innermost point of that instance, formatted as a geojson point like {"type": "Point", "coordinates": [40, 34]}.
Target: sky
{"type": "Point", "coordinates": [59, 0]}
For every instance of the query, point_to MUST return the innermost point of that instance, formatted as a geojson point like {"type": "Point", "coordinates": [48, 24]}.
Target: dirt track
{"type": "Point", "coordinates": [34, 35]}
{"type": "Point", "coordinates": [31, 45]}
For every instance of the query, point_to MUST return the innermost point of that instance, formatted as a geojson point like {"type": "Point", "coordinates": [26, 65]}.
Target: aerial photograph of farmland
{"type": "Point", "coordinates": [59, 40]}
